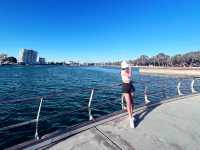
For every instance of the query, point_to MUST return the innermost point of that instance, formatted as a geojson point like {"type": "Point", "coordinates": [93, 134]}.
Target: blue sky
{"type": "Point", "coordinates": [99, 30]}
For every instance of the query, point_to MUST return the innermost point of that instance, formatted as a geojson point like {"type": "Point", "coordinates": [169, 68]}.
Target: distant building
{"type": "Point", "coordinates": [2, 58]}
{"type": "Point", "coordinates": [42, 61]}
{"type": "Point", "coordinates": [28, 56]}
{"type": "Point", "coordinates": [73, 63]}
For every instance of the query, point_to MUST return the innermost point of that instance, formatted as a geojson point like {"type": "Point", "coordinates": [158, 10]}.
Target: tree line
{"type": "Point", "coordinates": [4, 59]}
{"type": "Point", "coordinates": [191, 59]}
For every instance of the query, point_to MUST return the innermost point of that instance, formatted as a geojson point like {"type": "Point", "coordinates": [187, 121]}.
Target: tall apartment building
{"type": "Point", "coordinates": [28, 56]}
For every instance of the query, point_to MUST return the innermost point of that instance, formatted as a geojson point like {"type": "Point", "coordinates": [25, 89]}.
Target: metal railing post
{"type": "Point", "coordinates": [122, 102]}
{"type": "Point", "coordinates": [145, 95]}
{"type": "Point", "coordinates": [37, 119]}
{"type": "Point", "coordinates": [178, 88]}
{"type": "Point", "coordinates": [164, 90]}
{"type": "Point", "coordinates": [192, 86]}
{"type": "Point", "coordinates": [89, 105]}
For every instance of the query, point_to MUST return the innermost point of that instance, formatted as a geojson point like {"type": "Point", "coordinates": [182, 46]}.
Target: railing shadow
{"type": "Point", "coordinates": [139, 117]}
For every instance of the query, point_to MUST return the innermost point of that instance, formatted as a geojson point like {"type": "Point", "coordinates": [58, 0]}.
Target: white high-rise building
{"type": "Point", "coordinates": [28, 56]}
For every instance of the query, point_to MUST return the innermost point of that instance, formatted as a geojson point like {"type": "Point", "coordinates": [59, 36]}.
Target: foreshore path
{"type": "Point", "coordinates": [174, 125]}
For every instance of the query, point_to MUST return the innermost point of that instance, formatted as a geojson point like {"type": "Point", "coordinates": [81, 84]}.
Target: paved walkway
{"type": "Point", "coordinates": [170, 126]}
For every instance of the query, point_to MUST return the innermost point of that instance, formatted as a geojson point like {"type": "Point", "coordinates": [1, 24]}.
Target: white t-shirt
{"type": "Point", "coordinates": [125, 79]}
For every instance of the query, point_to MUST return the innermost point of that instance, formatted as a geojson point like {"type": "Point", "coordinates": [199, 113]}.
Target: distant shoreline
{"type": "Point", "coordinates": [180, 71]}
{"type": "Point", "coordinates": [177, 71]}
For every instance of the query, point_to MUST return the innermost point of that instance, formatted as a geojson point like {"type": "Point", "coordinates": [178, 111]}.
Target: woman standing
{"type": "Point", "coordinates": [127, 89]}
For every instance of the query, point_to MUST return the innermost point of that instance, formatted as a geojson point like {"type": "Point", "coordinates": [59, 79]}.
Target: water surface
{"type": "Point", "coordinates": [68, 90]}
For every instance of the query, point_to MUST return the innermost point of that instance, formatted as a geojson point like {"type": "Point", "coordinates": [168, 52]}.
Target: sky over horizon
{"type": "Point", "coordinates": [99, 30]}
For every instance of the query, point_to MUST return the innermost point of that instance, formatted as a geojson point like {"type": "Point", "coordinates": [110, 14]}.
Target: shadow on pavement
{"type": "Point", "coordinates": [139, 117]}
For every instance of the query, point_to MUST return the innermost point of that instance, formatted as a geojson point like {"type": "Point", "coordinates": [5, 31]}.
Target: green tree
{"type": "Point", "coordinates": [11, 59]}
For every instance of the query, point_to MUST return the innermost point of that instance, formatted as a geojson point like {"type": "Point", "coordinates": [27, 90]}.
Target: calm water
{"type": "Point", "coordinates": [71, 88]}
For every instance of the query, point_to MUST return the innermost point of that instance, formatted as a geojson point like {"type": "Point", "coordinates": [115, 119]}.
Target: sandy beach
{"type": "Point", "coordinates": [170, 71]}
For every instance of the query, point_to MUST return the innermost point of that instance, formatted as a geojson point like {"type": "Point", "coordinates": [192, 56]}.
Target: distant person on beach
{"type": "Point", "coordinates": [127, 90]}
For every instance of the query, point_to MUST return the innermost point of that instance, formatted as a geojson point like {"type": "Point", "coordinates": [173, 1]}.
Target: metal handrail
{"type": "Point", "coordinates": [145, 96]}
{"type": "Point", "coordinates": [192, 86]}
{"type": "Point", "coordinates": [89, 105]}
{"type": "Point", "coordinates": [18, 125]}
{"type": "Point", "coordinates": [37, 119]}
{"type": "Point", "coordinates": [67, 112]}
{"type": "Point", "coordinates": [83, 108]}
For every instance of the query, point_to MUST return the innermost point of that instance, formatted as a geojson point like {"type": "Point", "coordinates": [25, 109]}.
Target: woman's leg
{"type": "Point", "coordinates": [129, 104]}
{"type": "Point", "coordinates": [124, 105]}
{"type": "Point", "coordinates": [132, 101]}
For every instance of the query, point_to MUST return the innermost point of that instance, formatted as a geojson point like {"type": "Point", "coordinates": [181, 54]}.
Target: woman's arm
{"type": "Point", "coordinates": [127, 73]}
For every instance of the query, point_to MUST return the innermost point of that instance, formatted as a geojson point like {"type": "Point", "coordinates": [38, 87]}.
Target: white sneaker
{"type": "Point", "coordinates": [132, 122]}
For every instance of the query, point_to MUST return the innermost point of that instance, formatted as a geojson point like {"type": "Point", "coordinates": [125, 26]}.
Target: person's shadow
{"type": "Point", "coordinates": [139, 117]}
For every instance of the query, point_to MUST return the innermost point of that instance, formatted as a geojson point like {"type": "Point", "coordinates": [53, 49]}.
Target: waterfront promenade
{"type": "Point", "coordinates": [174, 125]}
{"type": "Point", "coordinates": [171, 124]}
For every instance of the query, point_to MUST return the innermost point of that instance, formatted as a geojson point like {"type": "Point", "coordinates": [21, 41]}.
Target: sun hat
{"type": "Point", "coordinates": [124, 65]}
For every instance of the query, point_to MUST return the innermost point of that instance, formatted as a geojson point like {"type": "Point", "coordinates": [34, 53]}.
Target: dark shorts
{"type": "Point", "coordinates": [128, 88]}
